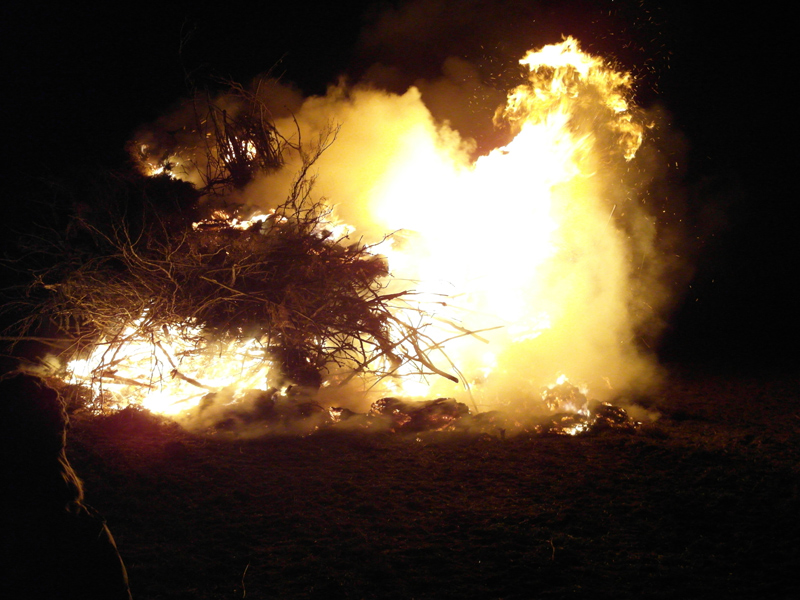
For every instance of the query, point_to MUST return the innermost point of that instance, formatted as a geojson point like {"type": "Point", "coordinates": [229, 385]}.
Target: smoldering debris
{"type": "Point", "coordinates": [429, 415]}
{"type": "Point", "coordinates": [296, 412]}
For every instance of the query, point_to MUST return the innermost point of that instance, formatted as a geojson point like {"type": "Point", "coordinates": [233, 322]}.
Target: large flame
{"type": "Point", "coordinates": [522, 244]}
{"type": "Point", "coordinates": [526, 247]}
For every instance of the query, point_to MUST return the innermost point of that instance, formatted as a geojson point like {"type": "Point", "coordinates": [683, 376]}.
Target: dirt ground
{"type": "Point", "coordinates": [701, 503]}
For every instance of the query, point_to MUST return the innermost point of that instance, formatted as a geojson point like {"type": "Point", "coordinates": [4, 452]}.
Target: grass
{"type": "Point", "coordinates": [701, 503]}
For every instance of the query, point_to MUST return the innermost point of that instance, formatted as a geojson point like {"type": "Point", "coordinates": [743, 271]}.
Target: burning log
{"type": "Point", "coordinates": [428, 415]}
{"type": "Point", "coordinates": [606, 416]}
{"type": "Point", "coordinates": [601, 416]}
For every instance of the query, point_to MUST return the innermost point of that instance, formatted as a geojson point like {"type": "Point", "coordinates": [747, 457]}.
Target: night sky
{"type": "Point", "coordinates": [79, 81]}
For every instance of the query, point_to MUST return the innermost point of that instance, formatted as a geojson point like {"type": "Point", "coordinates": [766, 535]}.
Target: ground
{"type": "Point", "coordinates": [701, 503]}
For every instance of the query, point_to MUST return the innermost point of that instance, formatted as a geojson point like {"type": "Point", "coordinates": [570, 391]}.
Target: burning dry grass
{"type": "Point", "coordinates": [701, 505]}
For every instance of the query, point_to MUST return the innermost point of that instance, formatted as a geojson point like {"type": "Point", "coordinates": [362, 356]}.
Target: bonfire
{"type": "Point", "coordinates": [170, 290]}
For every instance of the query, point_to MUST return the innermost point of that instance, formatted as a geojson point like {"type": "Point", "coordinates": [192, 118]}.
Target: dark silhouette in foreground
{"type": "Point", "coordinates": [53, 545]}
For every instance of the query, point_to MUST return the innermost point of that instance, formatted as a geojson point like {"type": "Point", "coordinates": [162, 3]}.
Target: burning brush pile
{"type": "Point", "coordinates": [186, 289]}
{"type": "Point", "coordinates": [159, 307]}
{"type": "Point", "coordinates": [150, 304]}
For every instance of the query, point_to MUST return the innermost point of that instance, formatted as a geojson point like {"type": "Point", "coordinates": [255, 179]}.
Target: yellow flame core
{"type": "Point", "coordinates": [518, 245]}
{"type": "Point", "coordinates": [168, 373]}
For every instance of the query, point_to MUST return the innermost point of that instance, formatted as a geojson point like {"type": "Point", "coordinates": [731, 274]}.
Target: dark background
{"type": "Point", "coordinates": [79, 80]}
